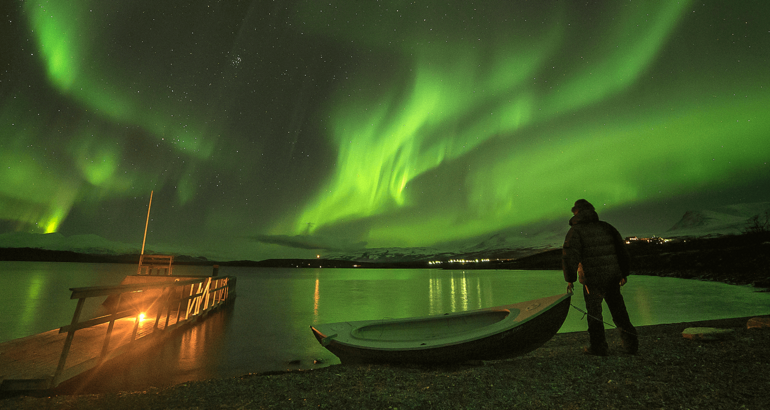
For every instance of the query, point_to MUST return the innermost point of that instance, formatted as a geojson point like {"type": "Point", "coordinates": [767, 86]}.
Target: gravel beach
{"type": "Point", "coordinates": [670, 372]}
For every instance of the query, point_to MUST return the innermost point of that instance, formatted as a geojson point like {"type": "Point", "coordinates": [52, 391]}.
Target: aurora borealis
{"type": "Point", "coordinates": [285, 128]}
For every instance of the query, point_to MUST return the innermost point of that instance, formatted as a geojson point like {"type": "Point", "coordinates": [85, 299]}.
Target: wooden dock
{"type": "Point", "coordinates": [137, 314]}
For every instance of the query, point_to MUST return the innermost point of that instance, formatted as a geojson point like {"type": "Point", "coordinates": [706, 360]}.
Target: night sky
{"type": "Point", "coordinates": [290, 128]}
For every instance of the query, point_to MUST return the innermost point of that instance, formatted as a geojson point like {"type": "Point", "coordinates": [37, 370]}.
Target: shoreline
{"type": "Point", "coordinates": [730, 259]}
{"type": "Point", "coordinates": [670, 371]}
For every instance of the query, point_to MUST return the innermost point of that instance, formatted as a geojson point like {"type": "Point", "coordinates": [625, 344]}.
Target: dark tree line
{"type": "Point", "coordinates": [759, 223]}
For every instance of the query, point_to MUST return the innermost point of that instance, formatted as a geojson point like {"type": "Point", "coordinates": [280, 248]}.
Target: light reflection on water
{"type": "Point", "coordinates": [267, 329]}
{"type": "Point", "coordinates": [465, 291]}
{"type": "Point", "coordinates": [34, 296]}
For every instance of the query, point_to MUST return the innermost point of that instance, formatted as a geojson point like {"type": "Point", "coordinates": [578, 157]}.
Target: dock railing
{"type": "Point", "coordinates": [175, 303]}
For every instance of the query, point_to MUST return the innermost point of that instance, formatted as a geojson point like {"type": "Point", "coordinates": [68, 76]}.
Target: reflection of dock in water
{"type": "Point", "coordinates": [136, 314]}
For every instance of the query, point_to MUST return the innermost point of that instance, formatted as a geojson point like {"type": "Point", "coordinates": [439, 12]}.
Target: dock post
{"type": "Point", "coordinates": [179, 307]}
{"type": "Point", "coordinates": [208, 293]}
{"type": "Point", "coordinates": [218, 293]}
{"type": "Point", "coordinates": [136, 326]}
{"type": "Point", "coordinates": [169, 302]}
{"type": "Point", "coordinates": [161, 305]}
{"type": "Point", "coordinates": [68, 343]}
{"type": "Point", "coordinates": [190, 302]}
{"type": "Point", "coordinates": [109, 328]}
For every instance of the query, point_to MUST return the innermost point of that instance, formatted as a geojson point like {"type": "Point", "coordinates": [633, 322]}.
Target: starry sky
{"type": "Point", "coordinates": [291, 128]}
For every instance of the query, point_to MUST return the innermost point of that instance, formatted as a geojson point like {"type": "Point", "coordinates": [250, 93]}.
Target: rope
{"type": "Point", "coordinates": [596, 318]}
{"type": "Point", "coordinates": [591, 316]}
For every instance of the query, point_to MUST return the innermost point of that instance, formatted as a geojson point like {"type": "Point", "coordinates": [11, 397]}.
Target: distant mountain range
{"type": "Point", "coordinates": [91, 244]}
{"type": "Point", "coordinates": [731, 219]}
{"type": "Point", "coordinates": [725, 220]}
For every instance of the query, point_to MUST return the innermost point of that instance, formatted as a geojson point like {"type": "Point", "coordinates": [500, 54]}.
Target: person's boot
{"type": "Point", "coordinates": [594, 352]}
{"type": "Point", "coordinates": [630, 340]}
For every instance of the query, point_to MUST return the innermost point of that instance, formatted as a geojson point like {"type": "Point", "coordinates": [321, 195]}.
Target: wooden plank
{"type": "Point", "coordinates": [29, 360]}
{"type": "Point", "coordinates": [36, 357]}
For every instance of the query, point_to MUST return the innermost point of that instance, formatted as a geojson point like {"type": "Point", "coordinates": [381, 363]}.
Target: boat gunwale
{"type": "Point", "coordinates": [339, 337]}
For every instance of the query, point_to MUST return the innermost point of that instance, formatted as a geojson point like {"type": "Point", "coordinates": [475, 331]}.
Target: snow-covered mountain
{"type": "Point", "coordinates": [504, 244]}
{"type": "Point", "coordinates": [726, 220]}
{"type": "Point", "coordinates": [501, 245]}
{"type": "Point", "coordinates": [89, 244]}
{"type": "Point", "coordinates": [57, 242]}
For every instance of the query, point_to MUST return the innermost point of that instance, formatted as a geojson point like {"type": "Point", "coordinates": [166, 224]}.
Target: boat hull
{"type": "Point", "coordinates": [527, 326]}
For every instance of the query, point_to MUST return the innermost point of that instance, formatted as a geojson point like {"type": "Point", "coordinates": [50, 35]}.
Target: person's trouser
{"type": "Point", "coordinates": [611, 294]}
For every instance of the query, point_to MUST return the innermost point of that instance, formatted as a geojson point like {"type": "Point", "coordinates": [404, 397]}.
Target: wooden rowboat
{"type": "Point", "coordinates": [485, 334]}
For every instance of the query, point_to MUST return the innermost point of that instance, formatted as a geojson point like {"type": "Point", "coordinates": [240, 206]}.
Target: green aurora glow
{"type": "Point", "coordinates": [407, 124]}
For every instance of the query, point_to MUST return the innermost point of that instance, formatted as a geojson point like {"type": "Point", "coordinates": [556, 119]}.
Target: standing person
{"type": "Point", "coordinates": [595, 254]}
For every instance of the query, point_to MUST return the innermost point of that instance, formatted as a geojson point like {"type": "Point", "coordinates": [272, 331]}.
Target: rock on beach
{"type": "Point", "coordinates": [707, 333]}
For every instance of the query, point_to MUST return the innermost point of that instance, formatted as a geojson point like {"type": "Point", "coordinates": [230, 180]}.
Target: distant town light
{"type": "Point", "coordinates": [653, 239]}
{"type": "Point", "coordinates": [462, 261]}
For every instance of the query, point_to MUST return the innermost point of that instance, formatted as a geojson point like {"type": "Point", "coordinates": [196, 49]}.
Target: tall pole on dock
{"type": "Point", "coordinates": [141, 255]}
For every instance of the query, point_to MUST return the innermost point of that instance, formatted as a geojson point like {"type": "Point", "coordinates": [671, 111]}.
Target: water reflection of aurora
{"type": "Point", "coordinates": [330, 126]}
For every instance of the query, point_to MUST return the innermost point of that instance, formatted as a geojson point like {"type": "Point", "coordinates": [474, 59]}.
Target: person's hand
{"type": "Point", "coordinates": [623, 281]}
{"type": "Point", "coordinates": [570, 287]}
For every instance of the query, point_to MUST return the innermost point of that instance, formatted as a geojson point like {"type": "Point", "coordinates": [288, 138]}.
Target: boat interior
{"type": "Point", "coordinates": [431, 327]}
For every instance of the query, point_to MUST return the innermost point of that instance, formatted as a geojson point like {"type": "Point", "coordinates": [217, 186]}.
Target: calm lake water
{"type": "Point", "coordinates": [267, 329]}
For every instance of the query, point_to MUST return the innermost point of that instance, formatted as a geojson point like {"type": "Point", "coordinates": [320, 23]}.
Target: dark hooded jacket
{"type": "Point", "coordinates": [596, 245]}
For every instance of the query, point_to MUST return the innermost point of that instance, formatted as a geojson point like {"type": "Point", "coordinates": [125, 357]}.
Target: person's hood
{"type": "Point", "coordinates": [584, 216]}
